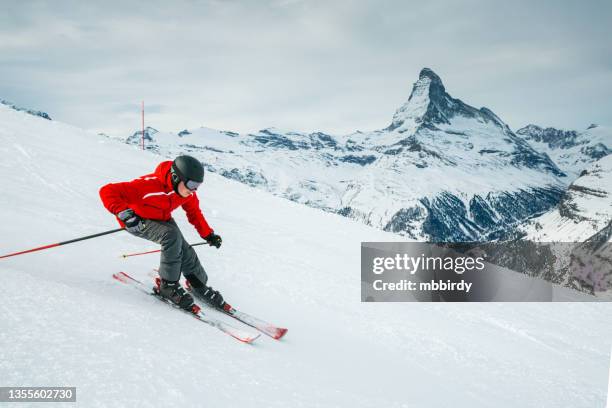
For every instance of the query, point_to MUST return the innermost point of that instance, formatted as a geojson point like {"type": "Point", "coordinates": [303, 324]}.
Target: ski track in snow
{"type": "Point", "coordinates": [66, 322]}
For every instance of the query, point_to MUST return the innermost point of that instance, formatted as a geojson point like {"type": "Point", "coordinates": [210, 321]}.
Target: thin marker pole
{"type": "Point", "coordinates": [156, 250]}
{"type": "Point", "coordinates": [143, 128]}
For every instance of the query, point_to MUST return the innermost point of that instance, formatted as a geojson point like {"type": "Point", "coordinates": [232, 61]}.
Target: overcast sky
{"type": "Point", "coordinates": [334, 66]}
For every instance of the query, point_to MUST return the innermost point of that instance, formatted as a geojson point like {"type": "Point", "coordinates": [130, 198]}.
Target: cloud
{"type": "Point", "coordinates": [334, 66]}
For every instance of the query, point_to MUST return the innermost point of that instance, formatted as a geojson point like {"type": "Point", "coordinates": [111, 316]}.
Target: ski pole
{"type": "Point", "coordinates": [62, 243]}
{"type": "Point", "coordinates": [156, 250]}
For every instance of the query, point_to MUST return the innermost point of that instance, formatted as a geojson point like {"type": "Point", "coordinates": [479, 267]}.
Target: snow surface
{"type": "Point", "coordinates": [66, 322]}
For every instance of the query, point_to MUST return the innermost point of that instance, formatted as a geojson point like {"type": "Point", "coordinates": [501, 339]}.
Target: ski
{"type": "Point", "coordinates": [236, 333]}
{"type": "Point", "coordinates": [266, 328]}
{"type": "Point", "coordinates": [252, 321]}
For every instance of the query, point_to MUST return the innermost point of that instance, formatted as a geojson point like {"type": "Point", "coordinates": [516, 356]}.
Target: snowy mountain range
{"type": "Point", "coordinates": [571, 150]}
{"type": "Point", "coordinates": [584, 209]}
{"type": "Point", "coordinates": [441, 171]}
{"type": "Point", "coordinates": [578, 231]}
{"type": "Point", "coordinates": [11, 105]}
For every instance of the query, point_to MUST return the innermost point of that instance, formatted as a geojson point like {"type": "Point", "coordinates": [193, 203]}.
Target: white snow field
{"type": "Point", "coordinates": [65, 322]}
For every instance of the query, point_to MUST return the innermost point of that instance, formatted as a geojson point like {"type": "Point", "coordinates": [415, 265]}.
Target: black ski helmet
{"type": "Point", "coordinates": [186, 168]}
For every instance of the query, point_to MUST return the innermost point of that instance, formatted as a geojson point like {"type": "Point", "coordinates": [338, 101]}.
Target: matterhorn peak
{"type": "Point", "coordinates": [432, 76]}
{"type": "Point", "coordinates": [430, 106]}
{"type": "Point", "coordinates": [426, 93]}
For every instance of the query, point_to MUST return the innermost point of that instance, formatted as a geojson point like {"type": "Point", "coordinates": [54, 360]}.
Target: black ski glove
{"type": "Point", "coordinates": [213, 240]}
{"type": "Point", "coordinates": [133, 223]}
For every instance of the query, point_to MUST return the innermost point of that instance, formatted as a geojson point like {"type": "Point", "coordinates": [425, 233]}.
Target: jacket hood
{"type": "Point", "coordinates": [162, 172]}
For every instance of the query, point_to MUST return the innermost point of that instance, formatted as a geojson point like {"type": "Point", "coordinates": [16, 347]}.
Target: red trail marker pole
{"type": "Point", "coordinates": [143, 129]}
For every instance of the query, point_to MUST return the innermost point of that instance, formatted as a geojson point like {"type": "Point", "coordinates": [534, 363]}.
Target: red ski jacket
{"type": "Point", "coordinates": [152, 197]}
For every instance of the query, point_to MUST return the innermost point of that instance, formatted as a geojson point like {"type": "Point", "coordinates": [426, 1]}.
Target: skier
{"type": "Point", "coordinates": [144, 205]}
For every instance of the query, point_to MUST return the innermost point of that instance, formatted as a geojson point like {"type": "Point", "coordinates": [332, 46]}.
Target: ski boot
{"type": "Point", "coordinates": [174, 292]}
{"type": "Point", "coordinates": [208, 295]}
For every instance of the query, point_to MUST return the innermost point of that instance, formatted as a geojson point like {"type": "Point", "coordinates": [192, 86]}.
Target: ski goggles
{"type": "Point", "coordinates": [178, 176]}
{"type": "Point", "coordinates": [192, 185]}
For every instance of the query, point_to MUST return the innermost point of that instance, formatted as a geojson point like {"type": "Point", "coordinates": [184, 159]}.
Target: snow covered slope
{"type": "Point", "coordinates": [584, 209]}
{"type": "Point", "coordinates": [442, 170]}
{"type": "Point", "coordinates": [571, 150]}
{"type": "Point", "coordinates": [65, 322]}
{"type": "Point", "coordinates": [584, 215]}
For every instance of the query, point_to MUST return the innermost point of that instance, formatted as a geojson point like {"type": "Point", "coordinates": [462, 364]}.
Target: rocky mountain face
{"type": "Point", "coordinates": [579, 231]}
{"type": "Point", "coordinates": [441, 171]}
{"type": "Point", "coordinates": [573, 151]}
{"type": "Point", "coordinates": [149, 140]}
{"type": "Point", "coordinates": [473, 177]}
{"type": "Point", "coordinates": [585, 208]}
{"type": "Point", "coordinates": [33, 112]}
